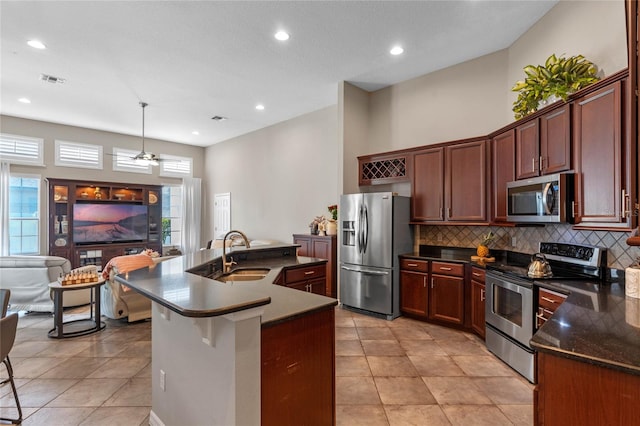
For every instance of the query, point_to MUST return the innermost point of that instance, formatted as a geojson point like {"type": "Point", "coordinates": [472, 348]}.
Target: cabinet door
{"type": "Point", "coordinates": [527, 149]}
{"type": "Point", "coordinates": [504, 170]}
{"type": "Point", "coordinates": [413, 293]}
{"type": "Point", "coordinates": [305, 248]}
{"type": "Point", "coordinates": [317, 286]}
{"type": "Point", "coordinates": [446, 299]}
{"type": "Point", "coordinates": [555, 141]}
{"type": "Point", "coordinates": [466, 182]}
{"type": "Point", "coordinates": [477, 307]}
{"type": "Point", "coordinates": [322, 248]}
{"type": "Point", "coordinates": [428, 185]}
{"type": "Point", "coordinates": [598, 158]}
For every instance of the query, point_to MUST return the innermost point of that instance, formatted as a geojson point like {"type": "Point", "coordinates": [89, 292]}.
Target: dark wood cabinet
{"type": "Point", "coordinates": [384, 168]}
{"type": "Point", "coordinates": [322, 247]}
{"type": "Point", "coordinates": [543, 145]}
{"type": "Point", "coordinates": [478, 297]}
{"type": "Point", "coordinates": [414, 287]}
{"type": "Point", "coordinates": [602, 182]}
{"type": "Point", "coordinates": [450, 183]}
{"type": "Point", "coordinates": [527, 149]}
{"type": "Point", "coordinates": [137, 201]}
{"type": "Point", "coordinates": [310, 278]}
{"type": "Point", "coordinates": [570, 392]}
{"type": "Point", "coordinates": [548, 302]}
{"type": "Point", "coordinates": [427, 192]}
{"type": "Point", "coordinates": [503, 170]}
{"type": "Point", "coordinates": [446, 293]}
{"type": "Point", "coordinates": [298, 371]}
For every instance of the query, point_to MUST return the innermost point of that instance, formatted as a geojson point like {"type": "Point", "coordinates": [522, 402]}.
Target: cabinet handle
{"type": "Point", "coordinates": [540, 163]}
{"type": "Point", "coordinates": [413, 265]}
{"type": "Point", "coordinates": [440, 211]}
{"type": "Point", "coordinates": [625, 204]}
{"type": "Point", "coordinates": [310, 272]}
{"type": "Point", "coordinates": [573, 208]}
{"type": "Point", "coordinates": [475, 274]}
{"type": "Point", "coordinates": [540, 317]}
{"type": "Point", "coordinates": [533, 164]}
{"type": "Point", "coordinates": [482, 294]}
{"type": "Point", "coordinates": [444, 268]}
{"type": "Point", "coordinates": [546, 299]}
{"type": "Point", "coordinates": [448, 212]}
{"type": "Point", "coordinates": [431, 282]}
{"type": "Point", "coordinates": [424, 282]}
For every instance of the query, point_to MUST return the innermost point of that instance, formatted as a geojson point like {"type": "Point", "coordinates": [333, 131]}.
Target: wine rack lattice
{"type": "Point", "coordinates": [389, 169]}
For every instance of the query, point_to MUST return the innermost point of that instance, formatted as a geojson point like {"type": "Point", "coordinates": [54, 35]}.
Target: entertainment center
{"type": "Point", "coordinates": [92, 222]}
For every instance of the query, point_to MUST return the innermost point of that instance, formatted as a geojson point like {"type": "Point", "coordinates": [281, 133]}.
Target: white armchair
{"type": "Point", "coordinates": [28, 278]}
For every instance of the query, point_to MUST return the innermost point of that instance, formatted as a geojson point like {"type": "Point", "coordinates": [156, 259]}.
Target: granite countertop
{"type": "Point", "coordinates": [450, 254]}
{"type": "Point", "coordinates": [595, 324]}
{"type": "Point", "coordinates": [172, 286]}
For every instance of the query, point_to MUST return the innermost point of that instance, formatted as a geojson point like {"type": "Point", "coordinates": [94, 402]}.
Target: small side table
{"type": "Point", "coordinates": [94, 316]}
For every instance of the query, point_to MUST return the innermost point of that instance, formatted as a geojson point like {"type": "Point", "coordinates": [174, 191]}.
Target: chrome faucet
{"type": "Point", "coordinates": [226, 266]}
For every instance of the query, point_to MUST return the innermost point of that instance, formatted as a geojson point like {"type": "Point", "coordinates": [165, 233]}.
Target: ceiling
{"type": "Point", "coordinates": [192, 60]}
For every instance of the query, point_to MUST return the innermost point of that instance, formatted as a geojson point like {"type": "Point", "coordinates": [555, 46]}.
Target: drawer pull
{"type": "Point", "coordinates": [442, 268]}
{"type": "Point", "coordinates": [475, 274]}
{"type": "Point", "coordinates": [482, 295]}
{"type": "Point", "coordinates": [546, 299]}
{"type": "Point", "coordinates": [413, 265]}
{"type": "Point", "coordinates": [310, 272]}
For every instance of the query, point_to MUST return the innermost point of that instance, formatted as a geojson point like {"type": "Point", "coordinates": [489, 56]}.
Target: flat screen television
{"type": "Point", "coordinates": [107, 223]}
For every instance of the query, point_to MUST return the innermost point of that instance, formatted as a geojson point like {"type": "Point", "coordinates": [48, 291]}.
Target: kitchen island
{"type": "Point", "coordinates": [589, 357]}
{"type": "Point", "coordinates": [238, 352]}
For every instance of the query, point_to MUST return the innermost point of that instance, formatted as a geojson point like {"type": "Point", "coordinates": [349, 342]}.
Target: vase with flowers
{"type": "Point", "coordinates": [331, 226]}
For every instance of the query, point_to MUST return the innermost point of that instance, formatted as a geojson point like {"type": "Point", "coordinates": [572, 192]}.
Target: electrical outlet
{"type": "Point", "coordinates": [513, 241]}
{"type": "Point", "coordinates": [163, 379]}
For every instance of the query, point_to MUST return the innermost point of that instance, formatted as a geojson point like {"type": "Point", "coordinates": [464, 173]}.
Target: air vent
{"type": "Point", "coordinates": [52, 79]}
{"type": "Point", "coordinates": [218, 118]}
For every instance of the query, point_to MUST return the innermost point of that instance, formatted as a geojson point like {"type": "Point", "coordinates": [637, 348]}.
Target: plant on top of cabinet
{"type": "Point", "coordinates": [558, 77]}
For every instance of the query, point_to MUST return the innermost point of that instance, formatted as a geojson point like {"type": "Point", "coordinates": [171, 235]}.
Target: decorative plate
{"type": "Point", "coordinates": [60, 242]}
{"type": "Point", "coordinates": [153, 198]}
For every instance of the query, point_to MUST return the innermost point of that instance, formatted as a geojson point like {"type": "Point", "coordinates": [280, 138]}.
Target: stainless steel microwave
{"type": "Point", "coordinates": [543, 199]}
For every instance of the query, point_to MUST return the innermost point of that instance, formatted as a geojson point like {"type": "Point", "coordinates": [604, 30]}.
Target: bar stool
{"type": "Point", "coordinates": [8, 327]}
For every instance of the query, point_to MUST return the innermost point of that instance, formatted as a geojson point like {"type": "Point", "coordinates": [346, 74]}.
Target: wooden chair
{"type": "Point", "coordinates": [8, 327]}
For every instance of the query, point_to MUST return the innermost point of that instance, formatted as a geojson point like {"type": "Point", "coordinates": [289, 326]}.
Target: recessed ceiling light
{"type": "Point", "coordinates": [24, 100]}
{"type": "Point", "coordinates": [36, 44]}
{"type": "Point", "coordinates": [195, 132]}
{"type": "Point", "coordinates": [281, 35]}
{"type": "Point", "coordinates": [259, 107]}
{"type": "Point", "coordinates": [218, 118]}
{"type": "Point", "coordinates": [396, 50]}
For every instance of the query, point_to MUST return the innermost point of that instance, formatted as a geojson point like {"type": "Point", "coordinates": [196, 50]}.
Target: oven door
{"type": "Point", "coordinates": [509, 307]}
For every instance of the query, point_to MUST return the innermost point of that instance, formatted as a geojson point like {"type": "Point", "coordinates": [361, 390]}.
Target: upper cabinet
{"type": "Point", "coordinates": [503, 170]}
{"type": "Point", "coordinates": [602, 160]}
{"type": "Point", "coordinates": [384, 168]}
{"type": "Point", "coordinates": [543, 144]}
{"type": "Point", "coordinates": [450, 183]}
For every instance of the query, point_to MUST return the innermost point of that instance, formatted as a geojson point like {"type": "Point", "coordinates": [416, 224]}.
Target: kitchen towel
{"type": "Point", "coordinates": [632, 282]}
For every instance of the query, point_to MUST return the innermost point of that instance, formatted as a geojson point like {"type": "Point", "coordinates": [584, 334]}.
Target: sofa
{"type": "Point", "coordinates": [28, 278]}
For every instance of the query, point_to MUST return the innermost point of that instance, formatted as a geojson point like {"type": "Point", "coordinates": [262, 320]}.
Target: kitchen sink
{"type": "Point", "coordinates": [246, 274]}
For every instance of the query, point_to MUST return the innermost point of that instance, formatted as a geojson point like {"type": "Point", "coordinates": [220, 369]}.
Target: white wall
{"type": "Point", "coordinates": [279, 177]}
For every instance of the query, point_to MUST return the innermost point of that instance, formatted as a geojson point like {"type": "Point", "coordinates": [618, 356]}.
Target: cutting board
{"type": "Point", "coordinates": [483, 259]}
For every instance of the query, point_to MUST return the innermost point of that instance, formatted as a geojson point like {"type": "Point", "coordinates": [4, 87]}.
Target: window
{"type": "Point", "coordinates": [21, 150]}
{"type": "Point", "coordinates": [24, 216]}
{"type": "Point", "coordinates": [174, 166]}
{"type": "Point", "coordinates": [73, 154]}
{"type": "Point", "coordinates": [123, 162]}
{"type": "Point", "coordinates": [171, 215]}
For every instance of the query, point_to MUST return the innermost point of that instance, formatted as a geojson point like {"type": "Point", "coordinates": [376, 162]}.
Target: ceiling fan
{"type": "Point", "coordinates": [145, 158]}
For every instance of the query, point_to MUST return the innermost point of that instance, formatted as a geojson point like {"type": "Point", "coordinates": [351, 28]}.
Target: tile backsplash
{"type": "Point", "coordinates": [526, 239]}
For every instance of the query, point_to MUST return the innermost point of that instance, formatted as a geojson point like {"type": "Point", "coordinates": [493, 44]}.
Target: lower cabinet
{"type": "Point", "coordinates": [478, 297]}
{"type": "Point", "coordinates": [570, 392]}
{"type": "Point", "coordinates": [548, 302]}
{"type": "Point", "coordinates": [322, 247]}
{"type": "Point", "coordinates": [432, 290]}
{"type": "Point", "coordinates": [446, 294]}
{"type": "Point", "coordinates": [311, 279]}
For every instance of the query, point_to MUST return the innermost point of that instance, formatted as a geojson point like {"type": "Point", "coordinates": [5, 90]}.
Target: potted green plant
{"type": "Point", "coordinates": [556, 79]}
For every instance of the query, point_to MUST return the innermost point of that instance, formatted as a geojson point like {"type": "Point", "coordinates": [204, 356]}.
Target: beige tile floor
{"type": "Point", "coordinates": [400, 372]}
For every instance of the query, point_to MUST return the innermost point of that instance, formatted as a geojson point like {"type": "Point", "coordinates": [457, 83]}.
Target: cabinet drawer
{"type": "Point", "coordinates": [414, 265]}
{"type": "Point", "coordinates": [477, 274]}
{"type": "Point", "coordinates": [442, 268]}
{"type": "Point", "coordinates": [299, 274]}
{"type": "Point", "coordinates": [550, 300]}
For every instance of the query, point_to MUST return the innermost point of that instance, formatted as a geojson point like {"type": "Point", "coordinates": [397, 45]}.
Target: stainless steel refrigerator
{"type": "Point", "coordinates": [374, 231]}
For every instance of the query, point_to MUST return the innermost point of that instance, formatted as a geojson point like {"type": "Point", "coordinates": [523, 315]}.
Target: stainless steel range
{"type": "Point", "coordinates": [511, 297]}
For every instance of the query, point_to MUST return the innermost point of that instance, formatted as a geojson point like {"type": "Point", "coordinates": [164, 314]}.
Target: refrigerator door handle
{"type": "Point", "coordinates": [364, 271]}
{"type": "Point", "coordinates": [365, 236]}
{"type": "Point", "coordinates": [360, 224]}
